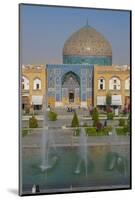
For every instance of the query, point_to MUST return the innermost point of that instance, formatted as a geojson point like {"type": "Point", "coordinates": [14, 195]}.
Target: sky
{"type": "Point", "coordinates": [43, 31]}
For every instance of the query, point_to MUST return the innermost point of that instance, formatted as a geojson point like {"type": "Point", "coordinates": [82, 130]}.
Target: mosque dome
{"type": "Point", "coordinates": [84, 43]}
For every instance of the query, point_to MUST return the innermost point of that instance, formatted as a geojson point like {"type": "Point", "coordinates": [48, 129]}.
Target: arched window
{"type": "Point", "coordinates": [101, 84]}
{"type": "Point", "coordinates": [37, 84]}
{"type": "Point", "coordinates": [25, 83]}
{"type": "Point", "coordinates": [127, 83]}
{"type": "Point", "coordinates": [114, 83]}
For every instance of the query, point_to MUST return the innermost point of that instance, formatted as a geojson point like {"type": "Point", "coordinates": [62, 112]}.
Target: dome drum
{"type": "Point", "coordinates": [101, 60]}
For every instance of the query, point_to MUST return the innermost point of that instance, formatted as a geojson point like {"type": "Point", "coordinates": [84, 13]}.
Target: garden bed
{"type": "Point", "coordinates": [92, 131]}
{"type": "Point", "coordinates": [121, 131]}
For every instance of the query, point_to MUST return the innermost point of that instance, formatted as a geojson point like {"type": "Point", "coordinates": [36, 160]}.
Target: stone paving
{"type": "Point", "coordinates": [75, 189]}
{"type": "Point", "coordinates": [65, 138]}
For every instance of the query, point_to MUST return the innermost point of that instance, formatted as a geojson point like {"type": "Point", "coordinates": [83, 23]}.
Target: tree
{"type": "Point", "coordinates": [121, 122]}
{"type": "Point", "coordinates": [75, 121]}
{"type": "Point", "coordinates": [108, 99]}
{"type": "Point", "coordinates": [52, 116]}
{"type": "Point", "coordinates": [33, 123]}
{"type": "Point", "coordinates": [95, 116]}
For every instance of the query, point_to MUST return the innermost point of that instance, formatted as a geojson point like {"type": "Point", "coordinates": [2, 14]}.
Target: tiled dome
{"type": "Point", "coordinates": [87, 42]}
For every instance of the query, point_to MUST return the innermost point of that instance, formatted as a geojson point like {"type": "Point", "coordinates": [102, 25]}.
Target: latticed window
{"type": "Point", "coordinates": [114, 83]}
{"type": "Point", "coordinates": [127, 83]}
{"type": "Point", "coordinates": [101, 84]}
{"type": "Point", "coordinates": [25, 83]}
{"type": "Point", "coordinates": [114, 87]}
{"type": "Point", "coordinates": [37, 84]}
{"type": "Point", "coordinates": [23, 86]}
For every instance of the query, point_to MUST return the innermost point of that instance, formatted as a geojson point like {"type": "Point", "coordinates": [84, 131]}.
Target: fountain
{"type": "Point", "coordinates": [47, 161]}
{"type": "Point", "coordinates": [45, 151]}
{"type": "Point", "coordinates": [114, 131]}
{"type": "Point", "coordinates": [116, 161]}
{"type": "Point", "coordinates": [82, 152]}
{"type": "Point", "coordinates": [122, 165]}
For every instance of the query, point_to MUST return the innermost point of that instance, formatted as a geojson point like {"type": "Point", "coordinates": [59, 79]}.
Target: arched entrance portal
{"type": "Point", "coordinates": [71, 89]}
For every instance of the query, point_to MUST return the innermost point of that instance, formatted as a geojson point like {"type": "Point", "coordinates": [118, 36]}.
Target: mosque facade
{"type": "Point", "coordinates": [73, 82]}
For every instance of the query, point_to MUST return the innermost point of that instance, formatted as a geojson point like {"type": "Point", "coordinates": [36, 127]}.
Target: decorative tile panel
{"type": "Point", "coordinates": [83, 84]}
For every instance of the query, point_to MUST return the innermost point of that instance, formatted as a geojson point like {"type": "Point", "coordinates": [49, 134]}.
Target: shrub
{"type": "Point", "coordinates": [95, 116]}
{"type": "Point", "coordinates": [75, 121]}
{"type": "Point", "coordinates": [24, 132]}
{"type": "Point", "coordinates": [106, 130]}
{"type": "Point", "coordinates": [33, 123]}
{"type": "Point", "coordinates": [125, 129]}
{"type": "Point", "coordinates": [91, 131]}
{"type": "Point", "coordinates": [121, 131]}
{"type": "Point", "coordinates": [128, 127]}
{"type": "Point", "coordinates": [121, 122]}
{"type": "Point", "coordinates": [110, 115]}
{"type": "Point", "coordinates": [109, 128]}
{"type": "Point", "coordinates": [52, 116]}
{"type": "Point", "coordinates": [102, 132]}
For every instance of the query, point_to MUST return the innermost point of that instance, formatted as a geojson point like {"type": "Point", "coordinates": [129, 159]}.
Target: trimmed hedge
{"type": "Point", "coordinates": [24, 132]}
{"type": "Point", "coordinates": [122, 122]}
{"type": "Point", "coordinates": [102, 133]}
{"type": "Point", "coordinates": [91, 131]}
{"type": "Point", "coordinates": [106, 130]}
{"type": "Point", "coordinates": [121, 131]}
{"type": "Point", "coordinates": [52, 116]}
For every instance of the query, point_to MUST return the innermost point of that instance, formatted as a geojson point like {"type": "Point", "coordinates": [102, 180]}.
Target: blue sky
{"type": "Point", "coordinates": [45, 29]}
